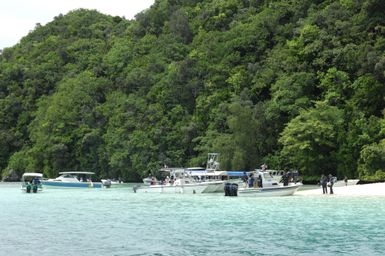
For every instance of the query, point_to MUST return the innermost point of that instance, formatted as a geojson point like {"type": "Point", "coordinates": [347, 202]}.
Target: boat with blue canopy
{"type": "Point", "coordinates": [73, 180]}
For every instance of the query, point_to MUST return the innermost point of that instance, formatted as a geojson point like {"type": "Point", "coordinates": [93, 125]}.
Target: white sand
{"type": "Point", "coordinates": [375, 189]}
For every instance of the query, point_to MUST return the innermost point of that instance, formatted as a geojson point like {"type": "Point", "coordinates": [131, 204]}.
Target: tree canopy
{"type": "Point", "coordinates": [295, 84]}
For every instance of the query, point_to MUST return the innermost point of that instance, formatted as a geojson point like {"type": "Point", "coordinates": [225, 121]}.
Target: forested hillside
{"type": "Point", "coordinates": [296, 84]}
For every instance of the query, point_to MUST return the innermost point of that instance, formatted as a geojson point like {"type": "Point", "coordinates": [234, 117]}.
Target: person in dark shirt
{"type": "Point", "coordinates": [285, 179]}
{"type": "Point", "coordinates": [331, 182]}
{"type": "Point", "coordinates": [251, 180]}
{"type": "Point", "coordinates": [259, 181]}
{"type": "Point", "coordinates": [244, 179]}
{"type": "Point", "coordinates": [323, 182]}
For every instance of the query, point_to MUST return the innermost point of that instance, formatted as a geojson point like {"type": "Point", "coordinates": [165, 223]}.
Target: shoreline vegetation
{"type": "Point", "coordinates": [298, 85]}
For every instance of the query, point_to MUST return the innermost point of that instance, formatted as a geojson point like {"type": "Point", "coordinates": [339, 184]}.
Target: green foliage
{"type": "Point", "coordinates": [372, 160]}
{"type": "Point", "coordinates": [310, 140]}
{"type": "Point", "coordinates": [296, 84]}
{"type": "Point", "coordinates": [19, 163]}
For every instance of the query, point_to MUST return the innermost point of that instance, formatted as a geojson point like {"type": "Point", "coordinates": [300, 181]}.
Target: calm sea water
{"type": "Point", "coordinates": [120, 222]}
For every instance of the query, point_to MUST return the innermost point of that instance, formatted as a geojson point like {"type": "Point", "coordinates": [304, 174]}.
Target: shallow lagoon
{"type": "Point", "coordinates": [120, 222]}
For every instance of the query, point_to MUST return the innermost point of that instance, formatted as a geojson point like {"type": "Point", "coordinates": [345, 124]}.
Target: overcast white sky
{"type": "Point", "coordinates": [18, 17]}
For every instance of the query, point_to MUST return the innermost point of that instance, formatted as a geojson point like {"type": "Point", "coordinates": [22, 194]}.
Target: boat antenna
{"type": "Point", "coordinates": [212, 162]}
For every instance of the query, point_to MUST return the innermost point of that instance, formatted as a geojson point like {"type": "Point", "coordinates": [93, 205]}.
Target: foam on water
{"type": "Point", "coordinates": [120, 222]}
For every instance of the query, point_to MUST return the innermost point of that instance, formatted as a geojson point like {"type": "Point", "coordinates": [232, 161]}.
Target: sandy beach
{"type": "Point", "coordinates": [375, 189]}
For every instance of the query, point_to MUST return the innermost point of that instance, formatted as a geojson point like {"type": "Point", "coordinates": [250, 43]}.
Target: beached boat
{"type": "Point", "coordinates": [73, 180]}
{"type": "Point", "coordinates": [270, 187]}
{"type": "Point", "coordinates": [31, 182]}
{"type": "Point", "coordinates": [341, 183]}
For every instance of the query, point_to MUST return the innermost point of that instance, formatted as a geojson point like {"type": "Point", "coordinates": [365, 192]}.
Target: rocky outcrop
{"type": "Point", "coordinates": [10, 176]}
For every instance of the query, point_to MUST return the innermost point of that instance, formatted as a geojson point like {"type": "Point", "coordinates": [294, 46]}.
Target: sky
{"type": "Point", "coordinates": [19, 17]}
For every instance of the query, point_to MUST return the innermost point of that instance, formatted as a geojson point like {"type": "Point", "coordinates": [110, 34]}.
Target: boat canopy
{"type": "Point", "coordinates": [173, 170]}
{"type": "Point", "coordinates": [33, 174]}
{"type": "Point", "coordinates": [236, 173]}
{"type": "Point", "coordinates": [207, 173]}
{"type": "Point", "coordinates": [90, 173]}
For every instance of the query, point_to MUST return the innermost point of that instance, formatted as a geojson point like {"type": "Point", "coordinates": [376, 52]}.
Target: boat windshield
{"type": "Point", "coordinates": [69, 176]}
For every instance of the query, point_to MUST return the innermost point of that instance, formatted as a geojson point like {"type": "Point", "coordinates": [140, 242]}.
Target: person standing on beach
{"type": "Point", "coordinates": [323, 182]}
{"type": "Point", "coordinates": [331, 183]}
{"type": "Point", "coordinates": [346, 180]}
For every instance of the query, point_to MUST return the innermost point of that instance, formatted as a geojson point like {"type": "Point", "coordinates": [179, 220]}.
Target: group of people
{"type": "Point", "coordinates": [327, 181]}
{"type": "Point", "coordinates": [250, 181]}
{"type": "Point", "coordinates": [166, 181]}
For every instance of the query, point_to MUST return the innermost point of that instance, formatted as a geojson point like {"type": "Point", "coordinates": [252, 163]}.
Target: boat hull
{"type": "Point", "coordinates": [214, 187]}
{"type": "Point", "coordinates": [59, 184]}
{"type": "Point", "coordinates": [173, 189]}
{"type": "Point", "coordinates": [341, 183]}
{"type": "Point", "coordinates": [269, 191]}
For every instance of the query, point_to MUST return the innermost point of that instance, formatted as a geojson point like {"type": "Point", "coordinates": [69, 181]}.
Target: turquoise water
{"type": "Point", "coordinates": [119, 222]}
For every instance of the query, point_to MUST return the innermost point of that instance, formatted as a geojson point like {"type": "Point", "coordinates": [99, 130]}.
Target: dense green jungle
{"type": "Point", "coordinates": [296, 84]}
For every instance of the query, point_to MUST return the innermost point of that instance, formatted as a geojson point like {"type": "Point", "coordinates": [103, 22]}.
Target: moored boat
{"type": "Point", "coordinates": [270, 191]}
{"type": "Point", "coordinates": [211, 175]}
{"type": "Point", "coordinates": [31, 182]}
{"type": "Point", "coordinates": [270, 187]}
{"type": "Point", "coordinates": [342, 183]}
{"type": "Point", "coordinates": [108, 183]}
{"type": "Point", "coordinates": [180, 182]}
{"type": "Point", "coordinates": [73, 180]}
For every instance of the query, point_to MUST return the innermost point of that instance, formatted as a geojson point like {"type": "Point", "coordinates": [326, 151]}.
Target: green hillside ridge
{"type": "Point", "coordinates": [296, 84]}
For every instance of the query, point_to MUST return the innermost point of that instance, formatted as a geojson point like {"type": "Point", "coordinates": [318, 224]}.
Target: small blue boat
{"type": "Point", "coordinates": [73, 180]}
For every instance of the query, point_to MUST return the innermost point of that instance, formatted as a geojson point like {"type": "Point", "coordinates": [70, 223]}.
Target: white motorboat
{"type": "Point", "coordinates": [108, 183]}
{"type": "Point", "coordinates": [272, 191]}
{"type": "Point", "coordinates": [270, 187]}
{"type": "Point", "coordinates": [342, 183]}
{"type": "Point", "coordinates": [31, 182]}
{"type": "Point", "coordinates": [73, 180]}
{"type": "Point", "coordinates": [214, 178]}
{"type": "Point", "coordinates": [180, 182]}
{"type": "Point", "coordinates": [210, 175]}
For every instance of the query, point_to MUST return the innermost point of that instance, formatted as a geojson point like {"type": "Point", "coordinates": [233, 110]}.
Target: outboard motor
{"type": "Point", "coordinates": [231, 189]}
{"type": "Point", "coordinates": [234, 189]}
{"type": "Point", "coordinates": [34, 188]}
{"type": "Point", "coordinates": [227, 189]}
{"type": "Point", "coordinates": [28, 188]}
